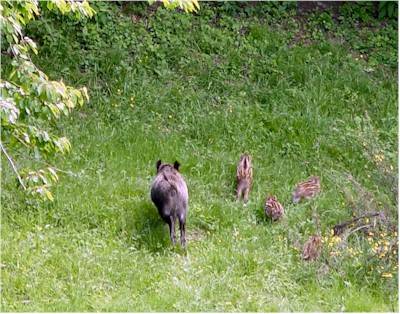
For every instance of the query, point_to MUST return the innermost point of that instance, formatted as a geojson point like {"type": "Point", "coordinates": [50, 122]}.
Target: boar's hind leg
{"type": "Point", "coordinates": [246, 194]}
{"type": "Point", "coordinates": [183, 231]}
{"type": "Point", "coordinates": [239, 192]}
{"type": "Point", "coordinates": [171, 224]}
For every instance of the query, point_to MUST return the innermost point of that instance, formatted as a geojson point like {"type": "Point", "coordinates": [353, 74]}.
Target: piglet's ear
{"type": "Point", "coordinates": [158, 164]}
{"type": "Point", "coordinates": [176, 165]}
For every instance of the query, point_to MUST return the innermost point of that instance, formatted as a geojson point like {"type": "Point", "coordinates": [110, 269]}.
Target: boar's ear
{"type": "Point", "coordinates": [158, 164]}
{"type": "Point", "coordinates": [176, 165]}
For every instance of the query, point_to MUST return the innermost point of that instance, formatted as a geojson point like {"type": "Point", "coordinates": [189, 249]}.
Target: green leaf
{"type": "Point", "coordinates": [49, 195]}
{"type": "Point", "coordinates": [31, 44]}
{"type": "Point", "coordinates": [55, 110]}
{"type": "Point", "coordinates": [85, 93]}
{"type": "Point", "coordinates": [53, 174]}
{"type": "Point", "coordinates": [50, 5]}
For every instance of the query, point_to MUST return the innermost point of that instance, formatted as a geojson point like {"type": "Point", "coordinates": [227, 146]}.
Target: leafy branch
{"type": "Point", "coordinates": [186, 5]}
{"type": "Point", "coordinates": [29, 101]}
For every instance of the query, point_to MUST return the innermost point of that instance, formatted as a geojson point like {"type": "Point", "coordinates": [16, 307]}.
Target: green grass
{"type": "Point", "coordinates": [187, 88]}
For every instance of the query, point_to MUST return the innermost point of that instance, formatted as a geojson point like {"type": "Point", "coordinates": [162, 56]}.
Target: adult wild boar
{"type": "Point", "coordinates": [170, 195]}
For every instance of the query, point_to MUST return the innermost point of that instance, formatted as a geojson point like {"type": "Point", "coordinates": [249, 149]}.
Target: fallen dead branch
{"type": "Point", "coordinates": [338, 229]}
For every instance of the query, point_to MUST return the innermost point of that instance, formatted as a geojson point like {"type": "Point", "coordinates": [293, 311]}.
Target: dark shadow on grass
{"type": "Point", "coordinates": [144, 228]}
{"type": "Point", "coordinates": [260, 215]}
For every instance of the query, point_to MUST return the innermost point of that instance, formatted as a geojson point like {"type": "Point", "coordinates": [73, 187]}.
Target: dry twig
{"type": "Point", "coordinates": [12, 165]}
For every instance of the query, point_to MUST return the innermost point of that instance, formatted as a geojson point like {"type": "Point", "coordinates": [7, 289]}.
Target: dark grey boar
{"type": "Point", "coordinates": [170, 195]}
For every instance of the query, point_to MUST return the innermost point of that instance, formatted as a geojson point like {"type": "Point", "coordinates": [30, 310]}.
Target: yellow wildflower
{"type": "Point", "coordinates": [336, 239]}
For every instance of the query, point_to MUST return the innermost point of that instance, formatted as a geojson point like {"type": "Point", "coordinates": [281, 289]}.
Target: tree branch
{"type": "Point", "coordinates": [7, 53]}
{"type": "Point", "coordinates": [58, 169]}
{"type": "Point", "coordinates": [340, 228]}
{"type": "Point", "coordinates": [13, 166]}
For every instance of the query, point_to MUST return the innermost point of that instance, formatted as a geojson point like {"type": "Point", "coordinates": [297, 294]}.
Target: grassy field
{"type": "Point", "coordinates": [302, 98]}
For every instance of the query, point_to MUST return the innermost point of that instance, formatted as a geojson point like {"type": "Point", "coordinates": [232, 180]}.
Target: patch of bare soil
{"type": "Point", "coordinates": [194, 235]}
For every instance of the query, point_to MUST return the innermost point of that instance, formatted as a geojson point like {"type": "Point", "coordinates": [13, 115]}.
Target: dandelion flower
{"type": "Point", "coordinates": [336, 239]}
